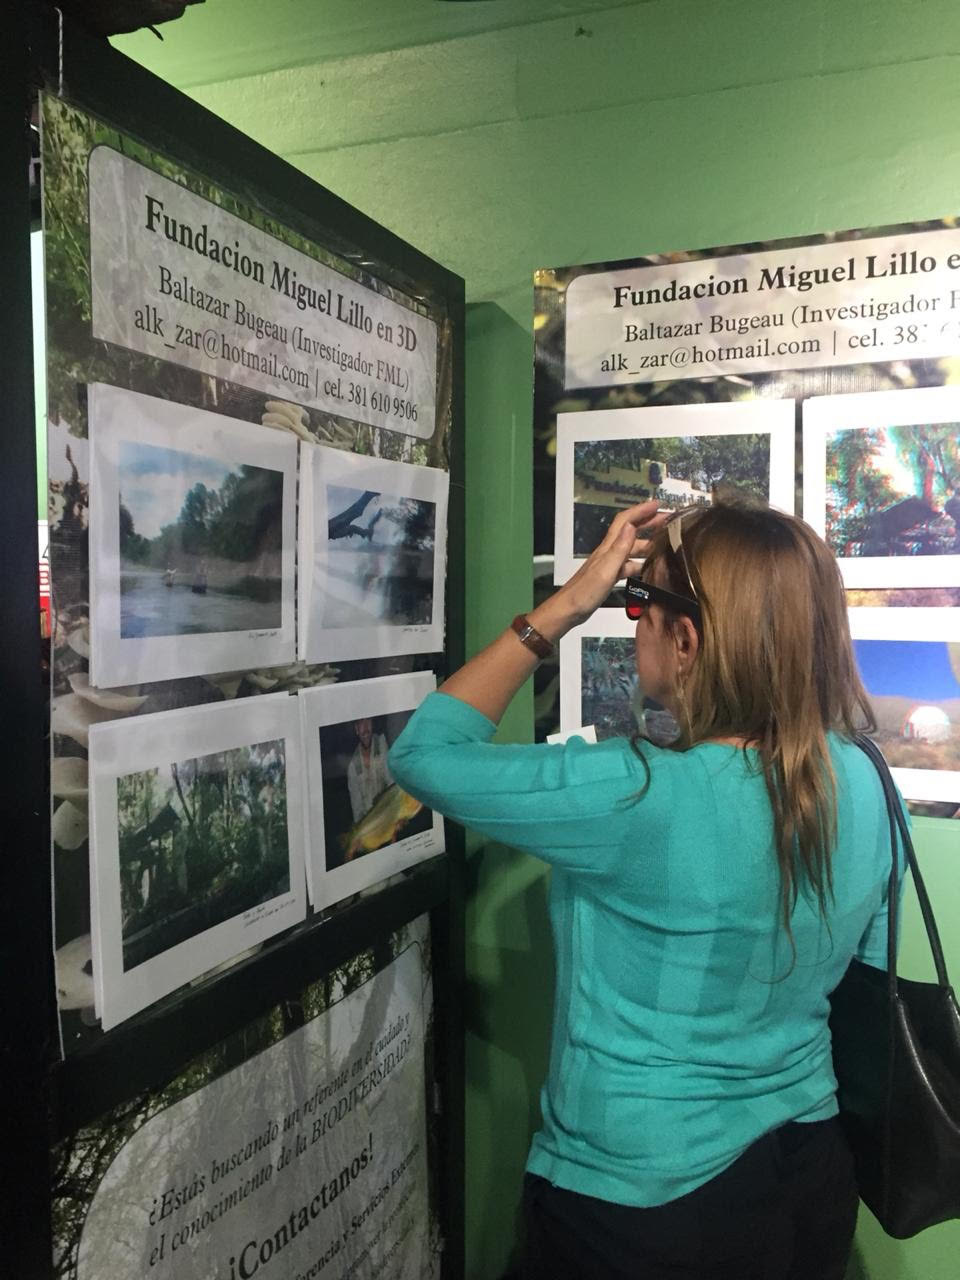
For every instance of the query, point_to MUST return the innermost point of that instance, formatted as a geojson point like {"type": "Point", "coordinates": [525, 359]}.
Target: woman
{"type": "Point", "coordinates": [706, 899]}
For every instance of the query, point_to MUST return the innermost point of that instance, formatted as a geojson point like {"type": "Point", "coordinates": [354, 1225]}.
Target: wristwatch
{"type": "Point", "coordinates": [531, 637]}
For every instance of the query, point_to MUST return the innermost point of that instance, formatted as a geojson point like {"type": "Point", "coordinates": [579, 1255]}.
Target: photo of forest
{"type": "Point", "coordinates": [363, 808]}
{"type": "Point", "coordinates": [893, 491]}
{"type": "Point", "coordinates": [914, 690]}
{"type": "Point", "coordinates": [679, 471]}
{"type": "Point", "coordinates": [200, 841]}
{"type": "Point", "coordinates": [608, 693]}
{"type": "Point", "coordinates": [608, 681]}
{"type": "Point", "coordinates": [379, 559]}
{"type": "Point", "coordinates": [200, 543]}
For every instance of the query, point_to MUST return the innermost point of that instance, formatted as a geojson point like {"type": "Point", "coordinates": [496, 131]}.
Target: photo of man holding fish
{"type": "Point", "coordinates": [363, 808]}
{"type": "Point", "coordinates": [355, 807]}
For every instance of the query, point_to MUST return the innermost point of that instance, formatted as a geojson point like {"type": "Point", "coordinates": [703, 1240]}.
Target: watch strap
{"type": "Point", "coordinates": [531, 637]}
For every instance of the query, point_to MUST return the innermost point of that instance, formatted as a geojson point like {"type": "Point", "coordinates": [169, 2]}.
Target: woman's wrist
{"type": "Point", "coordinates": [555, 616]}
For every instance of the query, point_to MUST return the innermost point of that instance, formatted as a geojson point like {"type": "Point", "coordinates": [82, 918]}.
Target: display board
{"type": "Point", "coordinates": [816, 374]}
{"type": "Point", "coordinates": [255, 536]}
{"type": "Point", "coordinates": [298, 1146]}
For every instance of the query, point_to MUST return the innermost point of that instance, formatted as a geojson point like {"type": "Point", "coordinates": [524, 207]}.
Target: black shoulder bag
{"type": "Point", "coordinates": [896, 1054]}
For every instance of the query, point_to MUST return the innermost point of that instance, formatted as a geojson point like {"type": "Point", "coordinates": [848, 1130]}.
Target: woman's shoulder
{"type": "Point", "coordinates": [854, 770]}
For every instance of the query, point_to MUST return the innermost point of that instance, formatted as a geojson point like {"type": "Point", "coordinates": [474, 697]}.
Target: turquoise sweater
{"type": "Point", "coordinates": [680, 1033]}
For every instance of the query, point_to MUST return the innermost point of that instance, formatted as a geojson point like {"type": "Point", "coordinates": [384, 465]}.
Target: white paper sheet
{"type": "Point", "coordinates": [588, 733]}
{"type": "Point", "coordinates": [166, 605]}
{"type": "Point", "coordinates": [372, 556]}
{"type": "Point", "coordinates": [895, 479]}
{"type": "Point", "coordinates": [216, 843]}
{"type": "Point", "coordinates": [362, 827]}
{"type": "Point", "coordinates": [665, 422]}
{"type": "Point", "coordinates": [611, 634]}
{"type": "Point", "coordinates": [910, 667]}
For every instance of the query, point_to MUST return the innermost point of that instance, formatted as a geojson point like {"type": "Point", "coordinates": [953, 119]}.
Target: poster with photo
{"type": "Point", "coordinates": [882, 484]}
{"type": "Point", "coordinates": [598, 682]}
{"type": "Point", "coordinates": [192, 540]}
{"type": "Point", "coordinates": [279, 338]}
{"type": "Point", "coordinates": [300, 1145]}
{"type": "Point", "coordinates": [909, 662]}
{"type": "Point", "coordinates": [852, 326]}
{"type": "Point", "coordinates": [196, 844]}
{"type": "Point", "coordinates": [372, 556]}
{"type": "Point", "coordinates": [678, 454]}
{"type": "Point", "coordinates": [362, 826]}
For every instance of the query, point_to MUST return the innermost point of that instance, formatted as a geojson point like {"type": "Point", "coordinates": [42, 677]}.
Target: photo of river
{"type": "Point", "coordinates": [200, 544]}
{"type": "Point", "coordinates": [149, 606]}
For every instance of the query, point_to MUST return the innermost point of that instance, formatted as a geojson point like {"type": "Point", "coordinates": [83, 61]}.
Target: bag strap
{"type": "Point", "coordinates": [898, 825]}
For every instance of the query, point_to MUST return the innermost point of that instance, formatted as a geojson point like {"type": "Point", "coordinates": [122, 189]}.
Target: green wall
{"type": "Point", "coordinates": [573, 134]}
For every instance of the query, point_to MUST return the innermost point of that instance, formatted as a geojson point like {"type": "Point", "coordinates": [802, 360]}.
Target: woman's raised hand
{"type": "Point", "coordinates": [489, 680]}
{"type": "Point", "coordinates": [618, 556]}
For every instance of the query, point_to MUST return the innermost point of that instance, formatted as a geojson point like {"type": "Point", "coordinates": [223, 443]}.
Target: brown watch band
{"type": "Point", "coordinates": [531, 637]}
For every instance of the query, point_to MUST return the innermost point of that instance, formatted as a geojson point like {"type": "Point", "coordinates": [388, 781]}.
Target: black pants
{"type": "Point", "coordinates": [785, 1210]}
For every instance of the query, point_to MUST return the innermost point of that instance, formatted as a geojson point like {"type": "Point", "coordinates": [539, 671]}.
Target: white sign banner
{"type": "Point", "coordinates": [307, 1161]}
{"type": "Point", "coordinates": [888, 298]}
{"type": "Point", "coordinates": [177, 277]}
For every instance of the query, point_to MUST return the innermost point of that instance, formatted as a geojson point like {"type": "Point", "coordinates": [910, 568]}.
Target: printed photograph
{"type": "Point", "coordinates": [196, 844]}
{"type": "Point", "coordinates": [598, 683]}
{"type": "Point", "coordinates": [608, 685]}
{"type": "Point", "coordinates": [379, 558]}
{"type": "Point", "coordinates": [678, 471]}
{"type": "Point", "coordinates": [355, 806]}
{"type": "Point", "coordinates": [893, 490]}
{"type": "Point", "coordinates": [200, 543]}
{"type": "Point", "coordinates": [363, 808]}
{"type": "Point", "coordinates": [678, 455]}
{"type": "Point", "coordinates": [609, 697]}
{"type": "Point", "coordinates": [914, 689]}
{"type": "Point", "coordinates": [372, 537]}
{"type": "Point", "coordinates": [200, 841]}
{"type": "Point", "coordinates": [192, 541]}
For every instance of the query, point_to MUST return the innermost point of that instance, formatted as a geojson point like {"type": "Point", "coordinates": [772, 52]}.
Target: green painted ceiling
{"type": "Point", "coordinates": [226, 39]}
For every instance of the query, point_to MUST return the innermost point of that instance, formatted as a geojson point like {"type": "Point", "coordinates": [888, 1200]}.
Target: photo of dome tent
{"type": "Point", "coordinates": [914, 690]}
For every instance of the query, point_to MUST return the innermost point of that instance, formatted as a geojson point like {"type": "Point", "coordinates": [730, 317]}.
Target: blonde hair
{"type": "Point", "coordinates": [775, 666]}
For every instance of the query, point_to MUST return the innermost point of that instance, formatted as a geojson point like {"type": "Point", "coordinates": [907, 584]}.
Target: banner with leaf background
{"type": "Point", "coordinates": [80, 303]}
{"type": "Point", "coordinates": [859, 330]}
{"type": "Point", "coordinates": [300, 1146]}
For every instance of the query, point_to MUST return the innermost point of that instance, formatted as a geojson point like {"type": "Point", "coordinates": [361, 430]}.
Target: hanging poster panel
{"type": "Point", "coordinates": [195, 338]}
{"type": "Point", "coordinates": [860, 330]}
{"type": "Point", "coordinates": [300, 1147]}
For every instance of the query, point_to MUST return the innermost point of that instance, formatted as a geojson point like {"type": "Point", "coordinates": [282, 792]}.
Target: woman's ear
{"type": "Point", "coordinates": [688, 643]}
